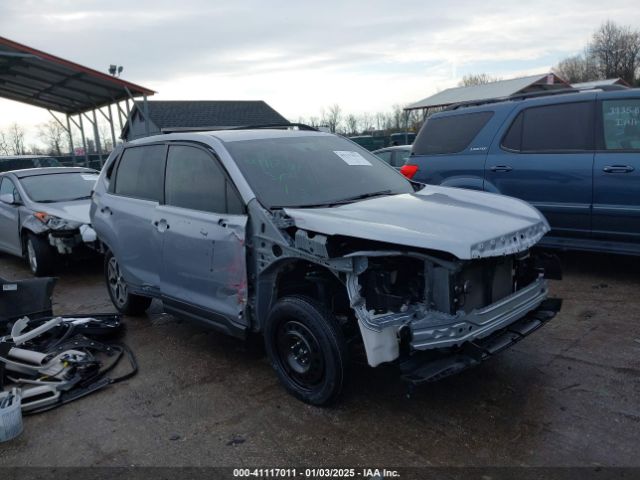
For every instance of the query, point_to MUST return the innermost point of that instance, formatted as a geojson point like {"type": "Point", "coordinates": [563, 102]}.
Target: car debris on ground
{"type": "Point", "coordinates": [47, 361]}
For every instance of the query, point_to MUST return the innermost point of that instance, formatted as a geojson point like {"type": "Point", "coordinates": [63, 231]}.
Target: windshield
{"type": "Point", "coordinates": [59, 187]}
{"type": "Point", "coordinates": [313, 170]}
{"type": "Point", "coordinates": [7, 164]}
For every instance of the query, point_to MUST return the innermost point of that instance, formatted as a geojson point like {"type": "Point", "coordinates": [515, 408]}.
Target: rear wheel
{"type": "Point", "coordinates": [40, 255]}
{"type": "Point", "coordinates": [307, 349]}
{"type": "Point", "coordinates": [125, 302]}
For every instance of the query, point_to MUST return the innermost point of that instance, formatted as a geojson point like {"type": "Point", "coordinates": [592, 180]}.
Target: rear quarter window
{"type": "Point", "coordinates": [450, 134]}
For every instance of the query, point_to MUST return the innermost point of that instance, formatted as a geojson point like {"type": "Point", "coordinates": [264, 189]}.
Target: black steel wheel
{"type": "Point", "coordinates": [307, 349]}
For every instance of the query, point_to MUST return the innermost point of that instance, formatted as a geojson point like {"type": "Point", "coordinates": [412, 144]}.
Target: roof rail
{"type": "Point", "coordinates": [299, 126]}
{"type": "Point", "coordinates": [524, 96]}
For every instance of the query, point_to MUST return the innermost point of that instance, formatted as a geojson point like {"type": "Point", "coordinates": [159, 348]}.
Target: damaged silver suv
{"type": "Point", "coordinates": [322, 248]}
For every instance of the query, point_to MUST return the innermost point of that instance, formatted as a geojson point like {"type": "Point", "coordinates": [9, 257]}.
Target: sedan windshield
{"type": "Point", "coordinates": [314, 170]}
{"type": "Point", "coordinates": [59, 187]}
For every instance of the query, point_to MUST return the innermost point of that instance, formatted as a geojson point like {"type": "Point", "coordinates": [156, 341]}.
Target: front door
{"type": "Point", "coordinates": [203, 225]}
{"type": "Point", "coordinates": [545, 157]}
{"type": "Point", "coordinates": [616, 174]}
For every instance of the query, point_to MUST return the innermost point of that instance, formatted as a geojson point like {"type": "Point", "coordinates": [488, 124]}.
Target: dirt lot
{"type": "Point", "coordinates": [568, 395]}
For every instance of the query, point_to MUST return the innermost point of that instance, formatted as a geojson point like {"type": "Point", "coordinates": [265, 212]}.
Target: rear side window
{"type": "Point", "coordinates": [196, 181]}
{"type": "Point", "coordinates": [451, 134]}
{"type": "Point", "coordinates": [386, 156]}
{"type": "Point", "coordinates": [621, 121]}
{"type": "Point", "coordinates": [140, 173]}
{"type": "Point", "coordinates": [400, 157]}
{"type": "Point", "coordinates": [564, 127]}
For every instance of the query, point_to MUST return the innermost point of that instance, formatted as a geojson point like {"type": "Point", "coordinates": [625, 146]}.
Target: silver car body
{"type": "Point", "coordinates": [225, 270]}
{"type": "Point", "coordinates": [18, 219]}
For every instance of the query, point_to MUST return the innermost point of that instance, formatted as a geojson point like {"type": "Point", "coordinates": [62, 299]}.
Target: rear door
{"type": "Point", "coordinates": [616, 173]}
{"type": "Point", "coordinates": [9, 219]}
{"type": "Point", "coordinates": [203, 226]}
{"type": "Point", "coordinates": [544, 155]}
{"type": "Point", "coordinates": [128, 210]}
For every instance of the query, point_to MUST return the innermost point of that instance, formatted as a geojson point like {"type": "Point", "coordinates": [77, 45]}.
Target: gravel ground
{"type": "Point", "coordinates": [568, 395]}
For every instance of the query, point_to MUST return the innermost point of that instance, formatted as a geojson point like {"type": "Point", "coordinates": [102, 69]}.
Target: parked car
{"type": "Point", "coordinates": [321, 247]}
{"type": "Point", "coordinates": [394, 156]}
{"type": "Point", "coordinates": [574, 156]}
{"type": "Point", "coordinates": [19, 162]}
{"type": "Point", "coordinates": [44, 213]}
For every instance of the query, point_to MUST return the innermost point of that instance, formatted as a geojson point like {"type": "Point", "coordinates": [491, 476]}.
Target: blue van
{"type": "Point", "coordinates": [574, 156]}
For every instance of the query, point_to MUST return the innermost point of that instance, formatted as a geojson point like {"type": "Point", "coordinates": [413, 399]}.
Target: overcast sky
{"type": "Point", "coordinates": [302, 56]}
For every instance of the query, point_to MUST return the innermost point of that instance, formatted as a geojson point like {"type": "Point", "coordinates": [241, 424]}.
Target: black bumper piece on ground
{"type": "Point", "coordinates": [430, 366]}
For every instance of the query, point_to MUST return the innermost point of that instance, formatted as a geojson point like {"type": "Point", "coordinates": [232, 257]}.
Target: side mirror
{"type": "Point", "coordinates": [8, 198]}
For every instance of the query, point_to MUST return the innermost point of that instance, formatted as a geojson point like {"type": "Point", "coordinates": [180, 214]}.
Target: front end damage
{"type": "Point", "coordinates": [428, 311]}
{"type": "Point", "coordinates": [65, 236]}
{"type": "Point", "coordinates": [438, 316]}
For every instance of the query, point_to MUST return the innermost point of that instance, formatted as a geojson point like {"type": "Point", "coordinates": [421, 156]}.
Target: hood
{"type": "Point", "coordinates": [76, 211]}
{"type": "Point", "coordinates": [465, 223]}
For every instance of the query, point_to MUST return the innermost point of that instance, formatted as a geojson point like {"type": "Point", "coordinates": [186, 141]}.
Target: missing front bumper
{"type": "Point", "coordinates": [430, 366]}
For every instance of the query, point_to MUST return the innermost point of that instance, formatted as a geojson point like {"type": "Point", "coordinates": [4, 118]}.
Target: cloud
{"type": "Point", "coordinates": [303, 56]}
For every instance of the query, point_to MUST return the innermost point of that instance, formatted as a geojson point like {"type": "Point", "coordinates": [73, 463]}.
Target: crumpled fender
{"type": "Point", "coordinates": [34, 225]}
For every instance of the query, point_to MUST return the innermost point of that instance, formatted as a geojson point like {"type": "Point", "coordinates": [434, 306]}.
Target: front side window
{"type": "Point", "coordinates": [566, 127]}
{"type": "Point", "coordinates": [7, 187]}
{"type": "Point", "coordinates": [450, 134]}
{"type": "Point", "coordinates": [59, 187]}
{"type": "Point", "coordinates": [194, 180]}
{"type": "Point", "coordinates": [621, 122]}
{"type": "Point", "coordinates": [140, 173]}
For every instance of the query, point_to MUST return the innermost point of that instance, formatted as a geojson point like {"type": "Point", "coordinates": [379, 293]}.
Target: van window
{"type": "Point", "coordinates": [450, 134]}
{"type": "Point", "coordinates": [552, 128]}
{"type": "Point", "coordinates": [621, 121]}
{"type": "Point", "coordinates": [140, 173]}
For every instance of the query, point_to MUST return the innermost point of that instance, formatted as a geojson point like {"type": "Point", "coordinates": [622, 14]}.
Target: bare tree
{"type": "Point", "coordinates": [365, 123]}
{"type": "Point", "coordinates": [16, 139]}
{"type": "Point", "coordinates": [332, 117]}
{"type": "Point", "coordinates": [54, 136]}
{"type": "Point", "coordinates": [616, 50]}
{"type": "Point", "coordinates": [4, 143]}
{"type": "Point", "coordinates": [351, 122]}
{"type": "Point", "coordinates": [477, 79]}
{"type": "Point", "coordinates": [577, 68]}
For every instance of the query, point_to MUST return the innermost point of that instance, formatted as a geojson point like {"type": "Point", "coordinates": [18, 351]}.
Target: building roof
{"type": "Point", "coordinates": [600, 83]}
{"type": "Point", "coordinates": [32, 76]}
{"type": "Point", "coordinates": [498, 89]}
{"type": "Point", "coordinates": [214, 114]}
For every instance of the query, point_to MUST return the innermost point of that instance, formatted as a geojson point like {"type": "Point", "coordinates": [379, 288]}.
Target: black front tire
{"type": "Point", "coordinates": [307, 349]}
{"type": "Point", "coordinates": [125, 302]}
{"type": "Point", "coordinates": [40, 255]}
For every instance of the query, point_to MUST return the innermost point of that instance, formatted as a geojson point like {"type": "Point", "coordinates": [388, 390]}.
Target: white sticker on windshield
{"type": "Point", "coordinates": [352, 158]}
{"type": "Point", "coordinates": [91, 176]}
{"type": "Point", "coordinates": [10, 287]}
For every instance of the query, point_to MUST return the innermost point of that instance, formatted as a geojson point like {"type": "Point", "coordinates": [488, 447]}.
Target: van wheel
{"type": "Point", "coordinates": [40, 255]}
{"type": "Point", "coordinates": [307, 349]}
{"type": "Point", "coordinates": [125, 302]}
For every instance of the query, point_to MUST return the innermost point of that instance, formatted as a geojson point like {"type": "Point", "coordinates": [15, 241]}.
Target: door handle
{"type": "Point", "coordinates": [106, 210]}
{"type": "Point", "coordinates": [223, 222]}
{"type": "Point", "coordinates": [161, 225]}
{"type": "Point", "coordinates": [618, 169]}
{"type": "Point", "coordinates": [501, 168]}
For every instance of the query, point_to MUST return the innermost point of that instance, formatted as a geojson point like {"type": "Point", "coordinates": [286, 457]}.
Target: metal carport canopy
{"type": "Point", "coordinates": [37, 78]}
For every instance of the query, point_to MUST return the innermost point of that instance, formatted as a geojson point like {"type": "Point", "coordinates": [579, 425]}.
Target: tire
{"type": "Point", "coordinates": [307, 349]}
{"type": "Point", "coordinates": [125, 302]}
{"type": "Point", "coordinates": [40, 255]}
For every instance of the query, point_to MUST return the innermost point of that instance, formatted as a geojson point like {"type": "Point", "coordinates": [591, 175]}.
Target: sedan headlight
{"type": "Point", "coordinates": [56, 223]}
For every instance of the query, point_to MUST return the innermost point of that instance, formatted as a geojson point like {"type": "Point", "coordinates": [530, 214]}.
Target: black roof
{"type": "Point", "coordinates": [209, 113]}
